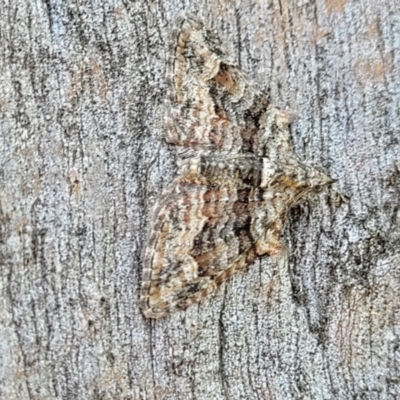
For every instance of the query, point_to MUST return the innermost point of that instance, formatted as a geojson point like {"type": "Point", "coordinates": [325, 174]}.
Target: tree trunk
{"type": "Point", "coordinates": [82, 86]}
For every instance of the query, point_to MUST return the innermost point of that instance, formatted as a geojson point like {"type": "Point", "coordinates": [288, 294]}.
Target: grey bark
{"type": "Point", "coordinates": [81, 90]}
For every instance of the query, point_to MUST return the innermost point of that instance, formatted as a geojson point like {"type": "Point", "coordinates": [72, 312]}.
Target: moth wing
{"type": "Point", "coordinates": [200, 237]}
{"type": "Point", "coordinates": [212, 105]}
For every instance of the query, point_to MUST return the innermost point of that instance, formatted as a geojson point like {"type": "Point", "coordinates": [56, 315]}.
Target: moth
{"type": "Point", "coordinates": [237, 177]}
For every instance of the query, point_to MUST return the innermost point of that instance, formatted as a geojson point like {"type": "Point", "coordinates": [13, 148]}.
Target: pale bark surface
{"type": "Point", "coordinates": [81, 89]}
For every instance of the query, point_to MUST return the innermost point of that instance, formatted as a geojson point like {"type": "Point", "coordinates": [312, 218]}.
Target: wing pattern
{"type": "Point", "coordinates": [237, 177]}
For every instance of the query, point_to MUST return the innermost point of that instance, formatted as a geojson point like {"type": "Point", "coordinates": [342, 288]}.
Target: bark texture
{"type": "Point", "coordinates": [81, 90]}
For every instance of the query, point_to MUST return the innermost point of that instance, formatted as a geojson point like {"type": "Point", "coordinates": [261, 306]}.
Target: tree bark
{"type": "Point", "coordinates": [82, 86]}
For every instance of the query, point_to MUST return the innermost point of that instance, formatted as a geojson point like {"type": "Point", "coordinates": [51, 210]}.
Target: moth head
{"type": "Point", "coordinates": [293, 175]}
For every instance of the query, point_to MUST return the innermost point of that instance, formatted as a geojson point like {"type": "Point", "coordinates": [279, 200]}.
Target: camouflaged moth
{"type": "Point", "coordinates": [238, 177]}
